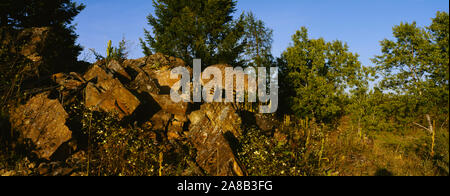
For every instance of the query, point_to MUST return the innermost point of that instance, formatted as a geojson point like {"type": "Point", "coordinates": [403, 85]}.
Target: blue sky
{"type": "Point", "coordinates": [359, 23]}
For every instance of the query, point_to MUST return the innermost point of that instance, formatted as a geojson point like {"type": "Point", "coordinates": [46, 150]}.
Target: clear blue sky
{"type": "Point", "coordinates": [360, 23]}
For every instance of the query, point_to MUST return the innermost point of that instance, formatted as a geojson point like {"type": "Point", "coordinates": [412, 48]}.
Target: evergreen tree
{"type": "Point", "coordinates": [258, 50]}
{"type": "Point", "coordinates": [38, 13]}
{"type": "Point", "coordinates": [191, 29]}
{"type": "Point", "coordinates": [61, 51]}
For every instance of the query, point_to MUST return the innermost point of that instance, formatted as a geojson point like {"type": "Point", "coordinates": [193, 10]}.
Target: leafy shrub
{"type": "Point", "coordinates": [295, 150]}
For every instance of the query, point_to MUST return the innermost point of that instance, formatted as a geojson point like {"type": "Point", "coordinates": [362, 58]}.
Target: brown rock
{"type": "Point", "coordinates": [159, 60]}
{"type": "Point", "coordinates": [144, 83]}
{"type": "Point", "coordinates": [175, 130]}
{"type": "Point", "coordinates": [97, 73]}
{"type": "Point", "coordinates": [222, 68]}
{"type": "Point", "coordinates": [160, 120]}
{"type": "Point", "coordinates": [159, 66]}
{"type": "Point", "coordinates": [42, 120]}
{"type": "Point", "coordinates": [207, 129]}
{"type": "Point", "coordinates": [108, 95]}
{"type": "Point", "coordinates": [166, 103]}
{"type": "Point", "coordinates": [117, 68]}
{"type": "Point", "coordinates": [69, 82]}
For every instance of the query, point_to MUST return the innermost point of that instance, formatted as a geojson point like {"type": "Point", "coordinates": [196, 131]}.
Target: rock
{"type": "Point", "coordinates": [222, 68]}
{"type": "Point", "coordinates": [224, 116]}
{"type": "Point", "coordinates": [162, 76]}
{"type": "Point", "coordinates": [70, 82]}
{"type": "Point", "coordinates": [166, 103]}
{"type": "Point", "coordinates": [160, 120]}
{"type": "Point", "coordinates": [159, 60]}
{"type": "Point", "coordinates": [174, 130]}
{"type": "Point", "coordinates": [159, 66]}
{"type": "Point", "coordinates": [108, 94]}
{"type": "Point", "coordinates": [144, 83]}
{"type": "Point", "coordinates": [207, 133]}
{"type": "Point", "coordinates": [115, 67]}
{"type": "Point", "coordinates": [97, 73]}
{"type": "Point", "coordinates": [42, 120]}
{"type": "Point", "coordinates": [266, 122]}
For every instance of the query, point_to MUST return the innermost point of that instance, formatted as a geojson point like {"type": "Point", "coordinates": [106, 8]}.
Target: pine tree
{"type": "Point", "coordinates": [191, 29]}
{"type": "Point", "coordinates": [258, 42]}
{"type": "Point", "coordinates": [38, 13]}
{"type": "Point", "coordinates": [62, 51]}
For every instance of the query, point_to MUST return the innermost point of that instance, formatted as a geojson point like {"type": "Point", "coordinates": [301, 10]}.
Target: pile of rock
{"type": "Point", "coordinates": [138, 91]}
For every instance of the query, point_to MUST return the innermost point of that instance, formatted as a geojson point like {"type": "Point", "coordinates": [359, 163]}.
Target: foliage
{"type": "Point", "coordinates": [296, 150]}
{"type": "Point", "coordinates": [416, 64]}
{"type": "Point", "coordinates": [316, 74]}
{"type": "Point", "coordinates": [38, 13]}
{"type": "Point", "coordinates": [195, 29]}
{"type": "Point", "coordinates": [258, 47]}
{"type": "Point", "coordinates": [118, 53]}
{"type": "Point", "coordinates": [115, 149]}
{"type": "Point", "coordinates": [62, 52]}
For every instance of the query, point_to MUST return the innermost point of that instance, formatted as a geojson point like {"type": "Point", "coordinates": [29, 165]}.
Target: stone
{"type": "Point", "coordinates": [175, 130]}
{"type": "Point", "coordinates": [160, 120]}
{"type": "Point", "coordinates": [144, 83]}
{"type": "Point", "coordinates": [108, 94]}
{"type": "Point", "coordinates": [42, 120]}
{"type": "Point", "coordinates": [266, 122]}
{"type": "Point", "coordinates": [97, 73]}
{"type": "Point", "coordinates": [70, 81]}
{"type": "Point", "coordinates": [115, 67]}
{"type": "Point", "coordinates": [166, 103]}
{"type": "Point", "coordinates": [207, 131]}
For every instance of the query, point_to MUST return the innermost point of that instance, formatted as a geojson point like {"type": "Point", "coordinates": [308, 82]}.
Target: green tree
{"type": "Point", "coordinates": [195, 29]}
{"type": "Point", "coordinates": [415, 64]}
{"type": "Point", "coordinates": [57, 47]}
{"type": "Point", "coordinates": [38, 13]}
{"type": "Point", "coordinates": [62, 51]}
{"type": "Point", "coordinates": [316, 74]}
{"type": "Point", "coordinates": [258, 48]}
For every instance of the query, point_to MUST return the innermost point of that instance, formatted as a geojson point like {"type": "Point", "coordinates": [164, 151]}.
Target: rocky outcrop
{"type": "Point", "coordinates": [108, 94]}
{"type": "Point", "coordinates": [207, 131]}
{"type": "Point", "coordinates": [130, 89]}
{"type": "Point", "coordinates": [115, 67]}
{"type": "Point", "coordinates": [42, 120]}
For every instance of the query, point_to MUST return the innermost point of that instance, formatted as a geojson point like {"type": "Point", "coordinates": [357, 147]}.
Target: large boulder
{"type": "Point", "coordinates": [144, 83]}
{"type": "Point", "coordinates": [42, 120]}
{"type": "Point", "coordinates": [207, 132]}
{"type": "Point", "coordinates": [108, 94]}
{"type": "Point", "coordinates": [116, 67]}
{"type": "Point", "coordinates": [166, 103]}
